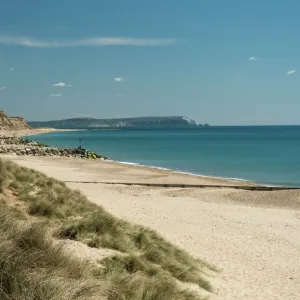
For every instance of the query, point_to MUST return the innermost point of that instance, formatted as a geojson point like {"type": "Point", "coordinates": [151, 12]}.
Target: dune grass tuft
{"type": "Point", "coordinates": [33, 267]}
{"type": "Point", "coordinates": [147, 267]}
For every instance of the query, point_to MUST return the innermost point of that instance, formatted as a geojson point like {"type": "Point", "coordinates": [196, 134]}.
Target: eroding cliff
{"type": "Point", "coordinates": [12, 123]}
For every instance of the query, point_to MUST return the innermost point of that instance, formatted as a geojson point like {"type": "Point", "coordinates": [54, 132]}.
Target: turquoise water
{"type": "Point", "coordinates": [268, 155]}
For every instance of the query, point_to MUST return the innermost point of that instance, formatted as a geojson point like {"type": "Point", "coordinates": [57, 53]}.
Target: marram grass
{"type": "Point", "coordinates": [37, 212]}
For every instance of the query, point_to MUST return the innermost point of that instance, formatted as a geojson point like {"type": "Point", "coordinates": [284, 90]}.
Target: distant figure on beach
{"type": "Point", "coordinates": [80, 141]}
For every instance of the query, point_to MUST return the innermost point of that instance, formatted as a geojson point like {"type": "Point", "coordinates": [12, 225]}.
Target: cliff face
{"type": "Point", "coordinates": [12, 123]}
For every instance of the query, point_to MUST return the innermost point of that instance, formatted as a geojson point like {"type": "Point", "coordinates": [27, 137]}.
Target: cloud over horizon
{"type": "Point", "coordinates": [55, 95]}
{"type": "Point", "coordinates": [11, 70]}
{"type": "Point", "coordinates": [31, 42]}
{"type": "Point", "coordinates": [59, 84]}
{"type": "Point", "coordinates": [2, 88]}
{"type": "Point", "coordinates": [291, 72]}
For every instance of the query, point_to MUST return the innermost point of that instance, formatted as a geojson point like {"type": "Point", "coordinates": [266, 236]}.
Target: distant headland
{"type": "Point", "coordinates": [86, 123]}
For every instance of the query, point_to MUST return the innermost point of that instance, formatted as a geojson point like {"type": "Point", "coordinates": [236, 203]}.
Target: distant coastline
{"type": "Point", "coordinates": [90, 123]}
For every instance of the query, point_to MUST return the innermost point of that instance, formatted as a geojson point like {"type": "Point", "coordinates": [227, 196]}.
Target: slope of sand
{"type": "Point", "coordinates": [252, 237]}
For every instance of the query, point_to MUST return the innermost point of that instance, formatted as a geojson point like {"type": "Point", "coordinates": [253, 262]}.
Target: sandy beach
{"type": "Point", "coordinates": [252, 237]}
{"type": "Point", "coordinates": [29, 132]}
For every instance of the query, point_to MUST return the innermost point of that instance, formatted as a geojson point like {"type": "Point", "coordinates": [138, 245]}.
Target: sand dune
{"type": "Point", "coordinates": [252, 237]}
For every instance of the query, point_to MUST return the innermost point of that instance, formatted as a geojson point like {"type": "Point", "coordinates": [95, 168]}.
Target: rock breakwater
{"type": "Point", "coordinates": [21, 146]}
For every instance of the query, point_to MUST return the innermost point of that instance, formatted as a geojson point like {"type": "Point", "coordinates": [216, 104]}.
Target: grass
{"type": "Point", "coordinates": [145, 266]}
{"type": "Point", "coordinates": [32, 267]}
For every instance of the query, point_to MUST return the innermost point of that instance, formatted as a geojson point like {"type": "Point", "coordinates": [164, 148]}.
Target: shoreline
{"type": "Point", "coordinates": [32, 132]}
{"type": "Point", "coordinates": [214, 179]}
{"type": "Point", "coordinates": [211, 178]}
{"type": "Point", "coordinates": [189, 174]}
{"type": "Point", "coordinates": [217, 179]}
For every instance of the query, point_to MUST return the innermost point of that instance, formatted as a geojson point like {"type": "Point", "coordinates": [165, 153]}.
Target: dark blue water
{"type": "Point", "coordinates": [267, 155]}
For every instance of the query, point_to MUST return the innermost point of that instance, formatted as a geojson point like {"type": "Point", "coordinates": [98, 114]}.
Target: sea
{"type": "Point", "coordinates": [268, 155]}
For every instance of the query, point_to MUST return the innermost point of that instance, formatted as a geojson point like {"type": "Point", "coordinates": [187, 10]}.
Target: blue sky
{"type": "Point", "coordinates": [109, 58]}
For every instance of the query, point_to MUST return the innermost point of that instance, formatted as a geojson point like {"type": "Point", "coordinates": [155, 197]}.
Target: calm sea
{"type": "Point", "coordinates": [269, 155]}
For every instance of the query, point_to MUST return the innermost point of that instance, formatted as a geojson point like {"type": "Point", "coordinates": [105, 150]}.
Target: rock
{"type": "Point", "coordinates": [37, 149]}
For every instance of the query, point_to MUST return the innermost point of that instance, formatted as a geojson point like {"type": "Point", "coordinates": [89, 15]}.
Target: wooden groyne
{"type": "Point", "coordinates": [178, 185]}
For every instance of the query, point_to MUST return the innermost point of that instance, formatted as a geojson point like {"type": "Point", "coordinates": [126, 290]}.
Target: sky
{"type": "Point", "coordinates": [219, 62]}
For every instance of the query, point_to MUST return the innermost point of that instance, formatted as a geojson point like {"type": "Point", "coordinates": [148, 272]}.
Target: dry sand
{"type": "Point", "coordinates": [252, 237]}
{"type": "Point", "coordinates": [29, 132]}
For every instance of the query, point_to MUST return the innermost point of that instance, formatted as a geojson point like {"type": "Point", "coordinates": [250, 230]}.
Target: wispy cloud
{"type": "Point", "coordinates": [59, 84]}
{"type": "Point", "coordinates": [2, 88]}
{"type": "Point", "coordinates": [70, 85]}
{"type": "Point", "coordinates": [118, 79]}
{"type": "Point", "coordinates": [253, 58]}
{"type": "Point", "coordinates": [55, 95]}
{"type": "Point", "coordinates": [11, 70]}
{"type": "Point", "coordinates": [32, 42]}
{"type": "Point", "coordinates": [291, 72]}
